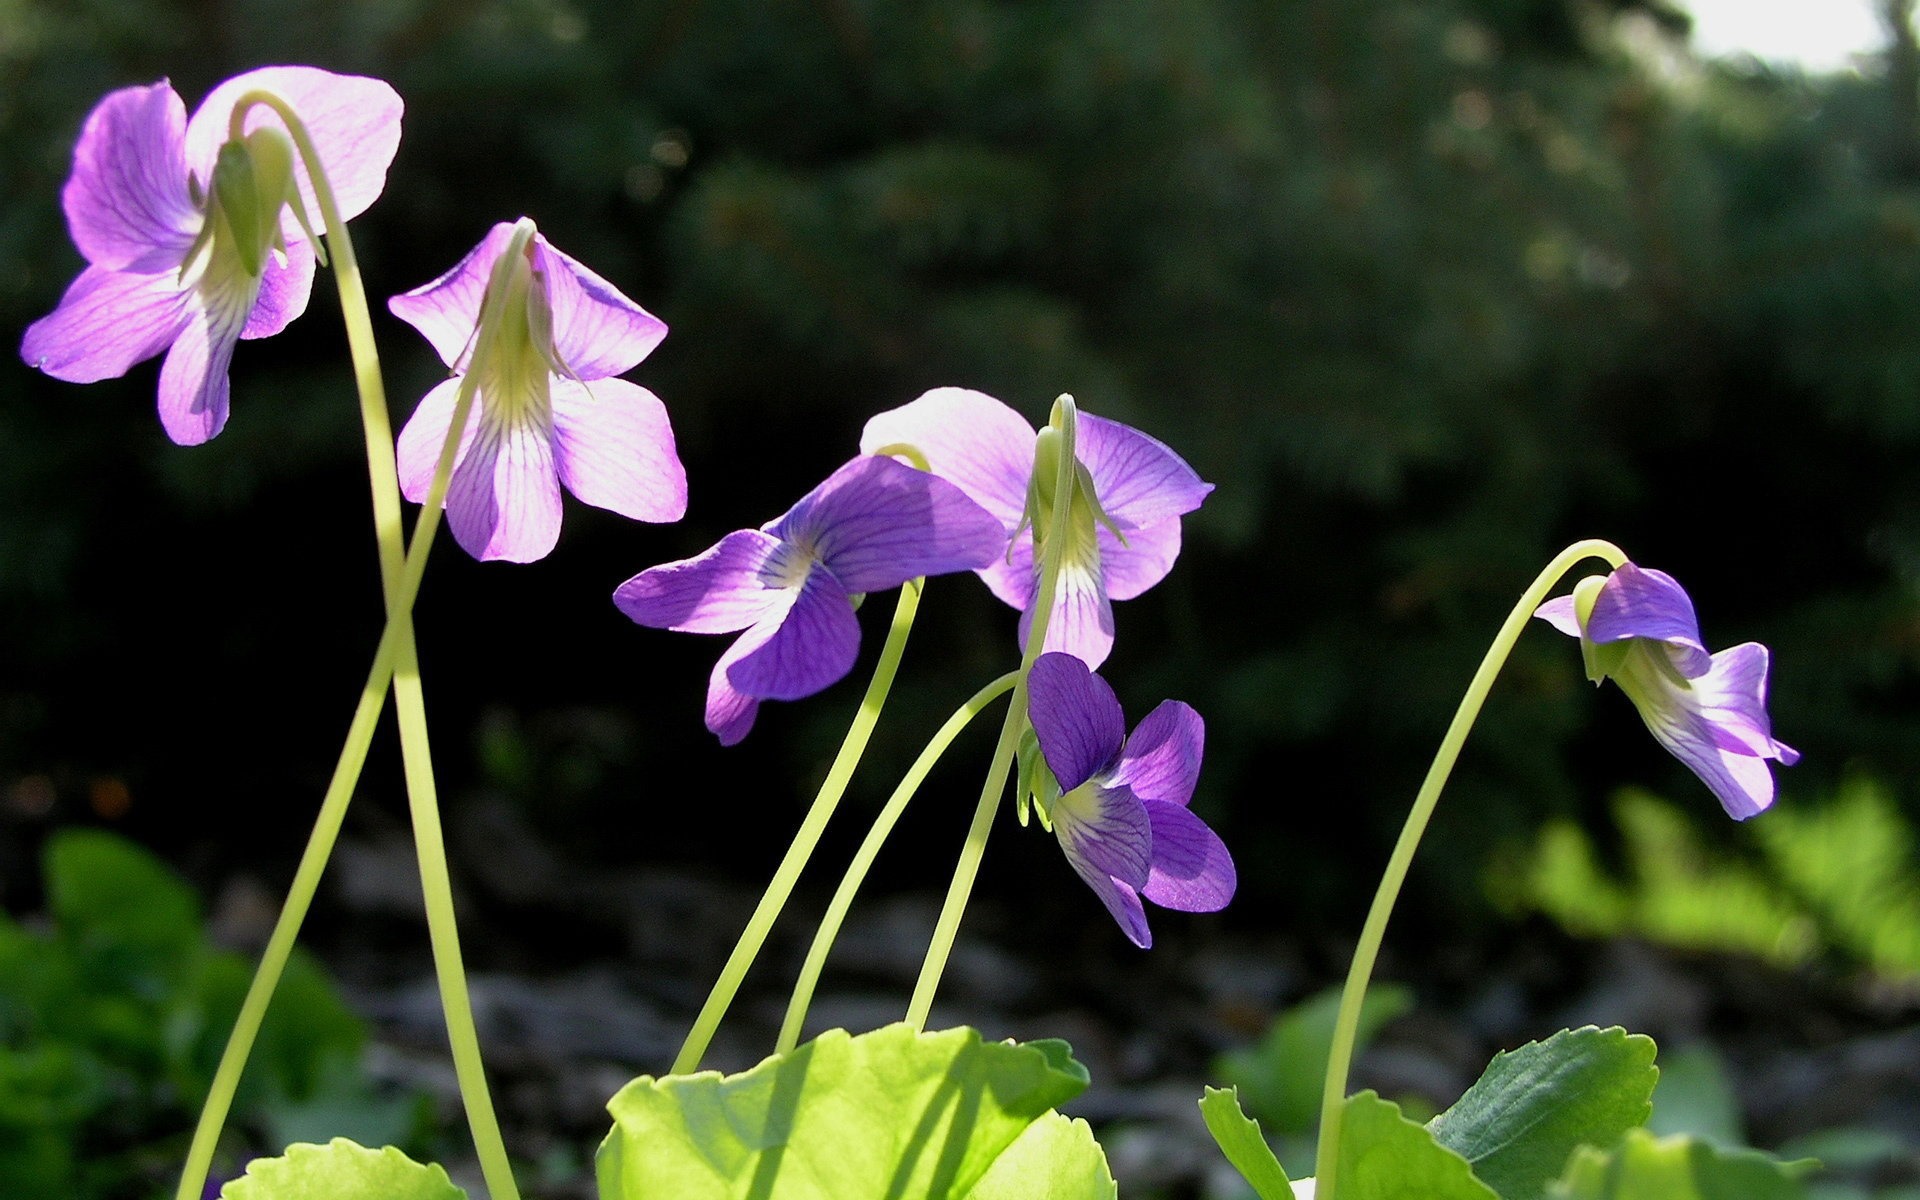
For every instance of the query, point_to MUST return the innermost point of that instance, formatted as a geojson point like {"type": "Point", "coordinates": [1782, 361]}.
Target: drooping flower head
{"type": "Point", "coordinates": [547, 410]}
{"type": "Point", "coordinates": [874, 524]}
{"type": "Point", "coordinates": [1637, 628]}
{"type": "Point", "coordinates": [1118, 803]}
{"type": "Point", "coordinates": [1123, 527]}
{"type": "Point", "coordinates": [194, 238]}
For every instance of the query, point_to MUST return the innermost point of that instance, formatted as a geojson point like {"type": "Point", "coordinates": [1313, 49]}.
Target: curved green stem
{"type": "Point", "coordinates": [1347, 1024]}
{"type": "Point", "coordinates": [947, 927]}
{"type": "Point", "coordinates": [795, 861]}
{"type": "Point", "coordinates": [870, 849]}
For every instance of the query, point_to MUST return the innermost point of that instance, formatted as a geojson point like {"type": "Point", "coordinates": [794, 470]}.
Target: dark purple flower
{"type": "Point", "coordinates": [1637, 627]}
{"type": "Point", "coordinates": [191, 241]}
{"type": "Point", "coordinates": [548, 411]}
{"type": "Point", "coordinates": [1122, 539]}
{"type": "Point", "coordinates": [874, 524]}
{"type": "Point", "coordinates": [1121, 812]}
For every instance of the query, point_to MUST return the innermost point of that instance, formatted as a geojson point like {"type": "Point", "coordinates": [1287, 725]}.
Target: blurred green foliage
{"type": "Point", "coordinates": [1428, 289]}
{"type": "Point", "coordinates": [113, 1015]}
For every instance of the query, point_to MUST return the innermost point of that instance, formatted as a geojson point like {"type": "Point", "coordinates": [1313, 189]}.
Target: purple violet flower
{"type": "Point", "coordinates": [1123, 536]}
{"type": "Point", "coordinates": [193, 242]}
{"type": "Point", "coordinates": [548, 411]}
{"type": "Point", "coordinates": [1637, 627]}
{"type": "Point", "coordinates": [1121, 809]}
{"type": "Point", "coordinates": [874, 524]}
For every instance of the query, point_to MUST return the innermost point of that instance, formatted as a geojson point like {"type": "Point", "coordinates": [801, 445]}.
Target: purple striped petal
{"type": "Point", "coordinates": [1560, 613]}
{"type": "Point", "coordinates": [126, 202]}
{"type": "Point", "coordinates": [1081, 621]}
{"type": "Point", "coordinates": [446, 310]}
{"type": "Point", "coordinates": [1076, 717]}
{"type": "Point", "coordinates": [108, 321]}
{"type": "Point", "coordinates": [1138, 479]}
{"type": "Point", "coordinates": [285, 285]}
{"type": "Point", "coordinates": [969, 438]}
{"type": "Point", "coordinates": [614, 449]}
{"type": "Point", "coordinates": [813, 646]}
{"type": "Point", "coordinates": [1105, 831]}
{"type": "Point", "coordinates": [597, 331]}
{"type": "Point", "coordinates": [1192, 871]}
{"type": "Point", "coordinates": [730, 712]}
{"type": "Point", "coordinates": [1143, 561]}
{"type": "Point", "coordinates": [417, 452]}
{"type": "Point", "coordinates": [731, 586]}
{"type": "Point", "coordinates": [1010, 576]}
{"type": "Point", "coordinates": [1716, 725]}
{"type": "Point", "coordinates": [193, 380]}
{"type": "Point", "coordinates": [504, 501]}
{"type": "Point", "coordinates": [1637, 603]}
{"type": "Point", "coordinates": [354, 122]}
{"type": "Point", "coordinates": [1161, 760]}
{"type": "Point", "coordinates": [1120, 900]}
{"type": "Point", "coordinates": [876, 523]}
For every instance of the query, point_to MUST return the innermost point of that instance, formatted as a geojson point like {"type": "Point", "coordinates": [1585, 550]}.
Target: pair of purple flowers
{"type": "Point", "coordinates": [196, 238]}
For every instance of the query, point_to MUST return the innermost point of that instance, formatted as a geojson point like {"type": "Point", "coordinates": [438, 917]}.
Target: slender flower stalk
{"type": "Point", "coordinates": [870, 849]}
{"type": "Point", "coordinates": [1347, 1023]}
{"type": "Point", "coordinates": [1050, 553]}
{"type": "Point", "coordinates": [754, 936]}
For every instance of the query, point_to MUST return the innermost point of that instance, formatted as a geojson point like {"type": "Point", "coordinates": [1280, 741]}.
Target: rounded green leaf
{"type": "Point", "coordinates": [1384, 1156]}
{"type": "Point", "coordinates": [892, 1113]}
{"type": "Point", "coordinates": [1644, 1167]}
{"type": "Point", "coordinates": [341, 1170]}
{"type": "Point", "coordinates": [1241, 1141]}
{"type": "Point", "coordinates": [1056, 1158]}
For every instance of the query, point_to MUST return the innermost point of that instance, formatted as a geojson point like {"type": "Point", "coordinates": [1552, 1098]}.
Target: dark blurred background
{"type": "Point", "coordinates": [1428, 290]}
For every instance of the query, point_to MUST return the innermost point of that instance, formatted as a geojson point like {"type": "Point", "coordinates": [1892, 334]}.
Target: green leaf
{"type": "Point", "coordinates": [892, 1113]}
{"type": "Point", "coordinates": [1280, 1080]}
{"type": "Point", "coordinates": [1534, 1105]}
{"type": "Point", "coordinates": [341, 1170]}
{"type": "Point", "coordinates": [107, 892]}
{"type": "Point", "coordinates": [1240, 1140]}
{"type": "Point", "coordinates": [1644, 1167]}
{"type": "Point", "coordinates": [1696, 1097]}
{"type": "Point", "coordinates": [1056, 1158]}
{"type": "Point", "coordinates": [1384, 1156]}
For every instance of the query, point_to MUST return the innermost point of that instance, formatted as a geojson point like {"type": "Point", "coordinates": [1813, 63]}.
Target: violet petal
{"type": "Point", "coordinates": [126, 202]}
{"type": "Point", "coordinates": [597, 331]}
{"type": "Point", "coordinates": [504, 501]}
{"type": "Point", "coordinates": [614, 449]}
{"type": "Point", "coordinates": [285, 285]}
{"type": "Point", "coordinates": [814, 645]}
{"type": "Point", "coordinates": [1120, 900]}
{"type": "Point", "coordinates": [1142, 561]}
{"type": "Point", "coordinates": [1081, 621]}
{"type": "Point", "coordinates": [107, 321]}
{"type": "Point", "coordinates": [1161, 760]}
{"type": "Point", "coordinates": [1560, 613]}
{"type": "Point", "coordinates": [193, 379]}
{"type": "Point", "coordinates": [1192, 871]}
{"type": "Point", "coordinates": [417, 451]}
{"type": "Point", "coordinates": [1138, 479]}
{"type": "Point", "coordinates": [969, 438]}
{"type": "Point", "coordinates": [726, 588]}
{"type": "Point", "coordinates": [1076, 716]}
{"type": "Point", "coordinates": [730, 712]}
{"type": "Point", "coordinates": [447, 309]}
{"type": "Point", "coordinates": [1638, 603]}
{"type": "Point", "coordinates": [876, 523]}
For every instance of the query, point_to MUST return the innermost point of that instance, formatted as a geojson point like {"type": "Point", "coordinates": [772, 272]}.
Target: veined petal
{"type": "Point", "coordinates": [1137, 478]}
{"type": "Point", "coordinates": [730, 712]}
{"type": "Point", "coordinates": [1716, 724]}
{"type": "Point", "coordinates": [1106, 830]}
{"type": "Point", "coordinates": [354, 122]}
{"type": "Point", "coordinates": [1732, 696]}
{"type": "Point", "coordinates": [1161, 760]}
{"type": "Point", "coordinates": [504, 500]}
{"type": "Point", "coordinates": [447, 310]}
{"type": "Point", "coordinates": [1120, 900]}
{"type": "Point", "coordinates": [417, 452]}
{"type": "Point", "coordinates": [1076, 716]}
{"type": "Point", "coordinates": [1010, 576]}
{"type": "Point", "coordinates": [727, 588]}
{"type": "Point", "coordinates": [1192, 871]}
{"type": "Point", "coordinates": [285, 285]}
{"type": "Point", "coordinates": [813, 645]}
{"type": "Point", "coordinates": [193, 380]}
{"type": "Point", "coordinates": [107, 321]}
{"type": "Point", "coordinates": [1081, 621]}
{"type": "Point", "coordinates": [876, 523]}
{"type": "Point", "coordinates": [126, 201]}
{"type": "Point", "coordinates": [597, 331]}
{"type": "Point", "coordinates": [1560, 613]}
{"type": "Point", "coordinates": [1637, 603]}
{"type": "Point", "coordinates": [1143, 561]}
{"type": "Point", "coordinates": [614, 447]}
{"type": "Point", "coordinates": [969, 438]}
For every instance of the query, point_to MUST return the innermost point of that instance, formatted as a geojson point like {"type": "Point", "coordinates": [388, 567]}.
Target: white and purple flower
{"type": "Point", "coordinates": [1637, 627]}
{"type": "Point", "coordinates": [1120, 810]}
{"type": "Point", "coordinates": [194, 241]}
{"type": "Point", "coordinates": [548, 410]}
{"type": "Point", "coordinates": [874, 524]}
{"type": "Point", "coordinates": [1123, 528]}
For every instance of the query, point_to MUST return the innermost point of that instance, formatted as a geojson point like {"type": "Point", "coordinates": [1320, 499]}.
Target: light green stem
{"type": "Point", "coordinates": [947, 927]}
{"type": "Point", "coordinates": [795, 861]}
{"type": "Point", "coordinates": [870, 849]}
{"type": "Point", "coordinates": [1347, 1024]}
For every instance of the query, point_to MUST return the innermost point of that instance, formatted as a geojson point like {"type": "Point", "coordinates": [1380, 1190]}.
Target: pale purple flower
{"type": "Point", "coordinates": [1121, 812]}
{"type": "Point", "coordinates": [1121, 541]}
{"type": "Point", "coordinates": [548, 410]}
{"type": "Point", "coordinates": [874, 524]}
{"type": "Point", "coordinates": [167, 266]}
{"type": "Point", "coordinates": [1637, 627]}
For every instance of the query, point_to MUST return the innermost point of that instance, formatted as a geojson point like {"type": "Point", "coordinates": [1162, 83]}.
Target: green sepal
{"type": "Point", "coordinates": [894, 1112]}
{"type": "Point", "coordinates": [341, 1170]}
{"type": "Point", "coordinates": [1602, 661]}
{"type": "Point", "coordinates": [1036, 782]}
{"type": "Point", "coordinates": [252, 182]}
